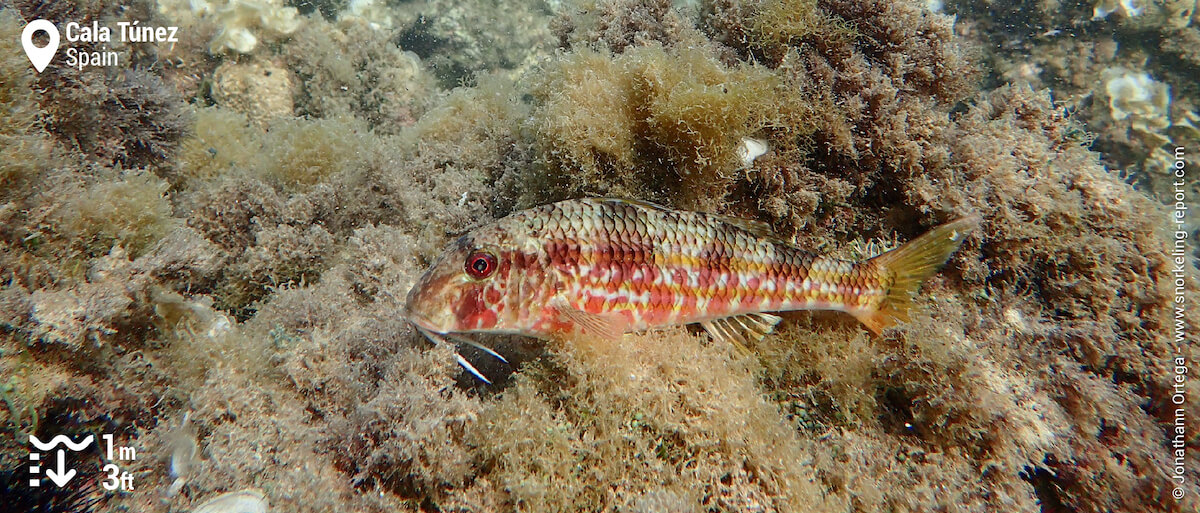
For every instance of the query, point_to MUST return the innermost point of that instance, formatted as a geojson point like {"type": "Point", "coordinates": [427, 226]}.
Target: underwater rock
{"type": "Point", "coordinates": [1126, 82]}
{"type": "Point", "coordinates": [459, 38]}
{"type": "Point", "coordinates": [615, 25]}
{"type": "Point", "coordinates": [373, 13]}
{"type": "Point", "coordinates": [95, 310]}
{"type": "Point", "coordinates": [127, 117]}
{"type": "Point", "coordinates": [75, 317]}
{"type": "Point", "coordinates": [22, 145]}
{"type": "Point", "coordinates": [1172, 14]}
{"type": "Point", "coordinates": [259, 89]}
{"type": "Point", "coordinates": [242, 22]}
{"type": "Point", "coordinates": [346, 69]}
{"type": "Point", "coordinates": [651, 122]}
{"type": "Point", "coordinates": [1103, 8]}
{"type": "Point", "coordinates": [1138, 97]}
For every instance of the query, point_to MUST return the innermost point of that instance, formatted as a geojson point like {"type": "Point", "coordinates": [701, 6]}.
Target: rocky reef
{"type": "Point", "coordinates": [1125, 71]}
{"type": "Point", "coordinates": [206, 251]}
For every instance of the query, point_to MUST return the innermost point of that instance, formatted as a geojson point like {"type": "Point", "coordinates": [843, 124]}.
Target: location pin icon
{"type": "Point", "coordinates": [40, 57]}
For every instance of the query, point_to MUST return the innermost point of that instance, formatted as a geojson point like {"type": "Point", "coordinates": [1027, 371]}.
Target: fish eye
{"type": "Point", "coordinates": [480, 264]}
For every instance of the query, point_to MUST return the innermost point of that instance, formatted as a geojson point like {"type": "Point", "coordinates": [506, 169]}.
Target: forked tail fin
{"type": "Point", "coordinates": [909, 266]}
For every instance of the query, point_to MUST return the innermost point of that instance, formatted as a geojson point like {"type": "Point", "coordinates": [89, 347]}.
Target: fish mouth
{"type": "Point", "coordinates": [451, 338]}
{"type": "Point", "coordinates": [422, 323]}
{"type": "Point", "coordinates": [439, 335]}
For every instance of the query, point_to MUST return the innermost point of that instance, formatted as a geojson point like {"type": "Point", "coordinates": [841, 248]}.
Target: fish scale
{"type": "Point", "coordinates": [695, 244]}
{"type": "Point", "coordinates": [610, 266]}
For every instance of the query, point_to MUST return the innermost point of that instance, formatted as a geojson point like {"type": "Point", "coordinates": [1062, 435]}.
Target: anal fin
{"type": "Point", "coordinates": [739, 330]}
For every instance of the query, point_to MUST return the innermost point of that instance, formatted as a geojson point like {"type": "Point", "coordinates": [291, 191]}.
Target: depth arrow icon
{"type": "Point", "coordinates": [63, 475]}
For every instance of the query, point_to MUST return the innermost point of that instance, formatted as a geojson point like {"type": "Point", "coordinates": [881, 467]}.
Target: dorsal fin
{"type": "Point", "coordinates": [756, 228]}
{"type": "Point", "coordinates": [636, 202]}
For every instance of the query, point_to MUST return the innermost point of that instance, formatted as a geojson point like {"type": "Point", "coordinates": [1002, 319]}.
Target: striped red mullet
{"type": "Point", "coordinates": [611, 266]}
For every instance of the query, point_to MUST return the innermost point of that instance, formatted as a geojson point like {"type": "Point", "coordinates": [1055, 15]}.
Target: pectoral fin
{"type": "Point", "coordinates": [608, 325]}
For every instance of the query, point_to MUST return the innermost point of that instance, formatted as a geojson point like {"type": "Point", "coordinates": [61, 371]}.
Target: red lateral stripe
{"type": "Point", "coordinates": [666, 267]}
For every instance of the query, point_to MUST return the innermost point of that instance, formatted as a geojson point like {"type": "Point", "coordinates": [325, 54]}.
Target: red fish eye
{"type": "Point", "coordinates": [481, 265]}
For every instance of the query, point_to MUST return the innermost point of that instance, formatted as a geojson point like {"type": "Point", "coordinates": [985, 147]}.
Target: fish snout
{"type": "Point", "coordinates": [427, 309]}
{"type": "Point", "coordinates": [412, 310]}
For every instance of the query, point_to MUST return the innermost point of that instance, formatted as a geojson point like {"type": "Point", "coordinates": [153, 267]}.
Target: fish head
{"type": "Point", "coordinates": [464, 289]}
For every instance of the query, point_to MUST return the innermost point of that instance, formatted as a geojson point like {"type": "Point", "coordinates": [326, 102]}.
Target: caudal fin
{"type": "Point", "coordinates": [909, 266]}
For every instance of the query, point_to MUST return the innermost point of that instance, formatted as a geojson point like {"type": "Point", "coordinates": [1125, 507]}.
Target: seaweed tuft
{"type": "Point", "coordinates": [23, 142]}
{"type": "Point", "coordinates": [650, 123]}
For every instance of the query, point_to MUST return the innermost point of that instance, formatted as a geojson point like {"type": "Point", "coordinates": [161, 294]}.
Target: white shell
{"type": "Point", "coordinates": [751, 149]}
{"type": "Point", "coordinates": [183, 448]}
{"type": "Point", "coordinates": [249, 500]}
